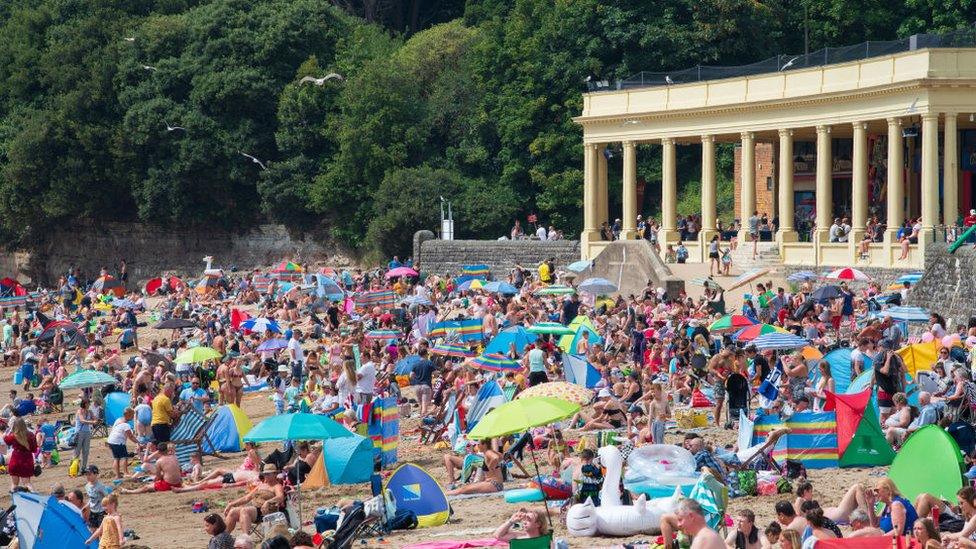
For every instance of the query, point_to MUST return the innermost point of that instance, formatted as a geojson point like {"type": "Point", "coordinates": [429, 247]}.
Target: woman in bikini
{"type": "Point", "coordinates": [490, 474]}
{"type": "Point", "coordinates": [236, 376]}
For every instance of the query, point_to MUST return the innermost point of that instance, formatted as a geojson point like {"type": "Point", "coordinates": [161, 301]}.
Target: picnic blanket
{"type": "Point", "coordinates": [458, 544]}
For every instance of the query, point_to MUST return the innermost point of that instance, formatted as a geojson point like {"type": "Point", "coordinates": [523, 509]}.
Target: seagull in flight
{"type": "Point", "coordinates": [130, 39]}
{"type": "Point", "coordinates": [253, 159]}
{"type": "Point", "coordinates": [173, 128]}
{"type": "Point", "coordinates": [789, 63]}
{"type": "Point", "coordinates": [668, 80]}
{"type": "Point", "coordinates": [911, 108]}
{"type": "Point", "coordinates": [148, 68]}
{"type": "Point", "coordinates": [321, 81]}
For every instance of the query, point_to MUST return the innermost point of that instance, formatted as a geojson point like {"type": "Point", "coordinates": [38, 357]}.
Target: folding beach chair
{"type": "Point", "coordinates": [190, 433]}
{"type": "Point", "coordinates": [431, 433]}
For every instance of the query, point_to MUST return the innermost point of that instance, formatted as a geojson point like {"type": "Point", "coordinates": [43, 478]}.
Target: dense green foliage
{"type": "Point", "coordinates": [470, 100]}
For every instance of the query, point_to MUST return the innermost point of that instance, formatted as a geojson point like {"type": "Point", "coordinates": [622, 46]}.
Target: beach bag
{"type": "Point", "coordinates": [748, 482]}
{"type": "Point", "coordinates": [404, 520]}
{"type": "Point", "coordinates": [55, 456]}
{"type": "Point", "coordinates": [73, 469]}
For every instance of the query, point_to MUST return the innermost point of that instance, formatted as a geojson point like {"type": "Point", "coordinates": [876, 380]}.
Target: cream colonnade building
{"type": "Point", "coordinates": [904, 100]}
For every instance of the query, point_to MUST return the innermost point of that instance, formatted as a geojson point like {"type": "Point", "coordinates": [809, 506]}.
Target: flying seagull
{"type": "Point", "coordinates": [173, 128]}
{"type": "Point", "coordinates": [911, 108]}
{"type": "Point", "coordinates": [668, 80]}
{"type": "Point", "coordinates": [320, 81]}
{"type": "Point", "coordinates": [148, 68]}
{"type": "Point", "coordinates": [253, 159]}
{"type": "Point", "coordinates": [130, 39]}
{"type": "Point", "coordinates": [789, 63]}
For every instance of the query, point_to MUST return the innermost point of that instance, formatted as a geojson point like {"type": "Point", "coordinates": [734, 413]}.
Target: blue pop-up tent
{"type": "Point", "coordinates": [516, 334]}
{"type": "Point", "coordinates": [43, 522]}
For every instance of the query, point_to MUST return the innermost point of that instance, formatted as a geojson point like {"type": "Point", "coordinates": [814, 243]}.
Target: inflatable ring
{"type": "Point", "coordinates": [554, 488]}
{"type": "Point", "coordinates": [523, 494]}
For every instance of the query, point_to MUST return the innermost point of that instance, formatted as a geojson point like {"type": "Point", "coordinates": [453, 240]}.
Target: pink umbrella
{"type": "Point", "coordinates": [847, 273]}
{"type": "Point", "coordinates": [401, 271]}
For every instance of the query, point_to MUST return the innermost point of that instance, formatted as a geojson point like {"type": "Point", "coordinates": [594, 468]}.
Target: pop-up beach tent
{"type": "Point", "coordinates": [413, 489]}
{"type": "Point", "coordinates": [860, 441]}
{"type": "Point", "coordinates": [227, 429]}
{"type": "Point", "coordinates": [930, 462]}
{"type": "Point", "coordinates": [346, 460]}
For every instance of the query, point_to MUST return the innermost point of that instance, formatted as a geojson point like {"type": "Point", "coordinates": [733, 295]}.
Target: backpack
{"type": "Point", "coordinates": [404, 520]}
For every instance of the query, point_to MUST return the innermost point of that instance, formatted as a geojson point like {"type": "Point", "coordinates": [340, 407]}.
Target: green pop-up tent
{"type": "Point", "coordinates": [860, 440]}
{"type": "Point", "coordinates": [930, 461]}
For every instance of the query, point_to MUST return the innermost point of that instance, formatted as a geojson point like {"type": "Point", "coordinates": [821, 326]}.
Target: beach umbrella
{"type": "Point", "coordinates": [520, 415]}
{"type": "Point", "coordinates": [555, 289]}
{"type": "Point", "coordinates": [405, 365]}
{"type": "Point", "coordinates": [43, 522]}
{"type": "Point", "coordinates": [730, 322]}
{"type": "Point", "coordinates": [272, 345]}
{"type": "Point", "coordinates": [401, 271]}
{"type": "Point", "coordinates": [579, 266]}
{"type": "Point", "coordinates": [297, 426]}
{"type": "Point", "coordinates": [779, 342]}
{"type": "Point", "coordinates": [383, 334]}
{"type": "Point", "coordinates": [562, 390]}
{"type": "Point", "coordinates": [471, 284]}
{"type": "Point", "coordinates": [499, 287]}
{"type": "Point", "coordinates": [455, 350]}
{"type": "Point", "coordinates": [597, 286]}
{"type": "Point", "coordinates": [287, 267]}
{"type": "Point", "coordinates": [847, 273]}
{"type": "Point", "coordinates": [802, 276]}
{"type": "Point", "coordinates": [153, 358]}
{"type": "Point", "coordinates": [175, 324]}
{"type": "Point", "coordinates": [747, 277]}
{"type": "Point", "coordinates": [124, 303]}
{"type": "Point", "coordinates": [417, 300]}
{"type": "Point", "coordinates": [904, 314]}
{"type": "Point", "coordinates": [197, 354]}
{"type": "Point", "coordinates": [554, 328]}
{"type": "Point", "coordinates": [83, 379]}
{"type": "Point", "coordinates": [752, 332]}
{"type": "Point", "coordinates": [826, 292]}
{"type": "Point", "coordinates": [261, 325]}
{"type": "Point", "coordinates": [494, 363]}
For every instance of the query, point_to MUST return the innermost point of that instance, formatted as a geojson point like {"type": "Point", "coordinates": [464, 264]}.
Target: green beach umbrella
{"type": "Point", "coordinates": [297, 426]}
{"type": "Point", "coordinates": [521, 415]}
{"type": "Point", "coordinates": [87, 378]}
{"type": "Point", "coordinates": [197, 354]}
{"type": "Point", "coordinates": [730, 322]}
{"type": "Point", "coordinates": [554, 328]}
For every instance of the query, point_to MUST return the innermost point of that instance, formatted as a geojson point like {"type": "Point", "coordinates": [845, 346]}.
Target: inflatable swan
{"type": "Point", "coordinates": [612, 518]}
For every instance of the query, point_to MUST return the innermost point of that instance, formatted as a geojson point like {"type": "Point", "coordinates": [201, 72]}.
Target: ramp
{"type": "Point", "coordinates": [630, 264]}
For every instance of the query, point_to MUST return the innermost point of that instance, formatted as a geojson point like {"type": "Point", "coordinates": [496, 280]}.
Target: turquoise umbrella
{"type": "Point", "coordinates": [83, 379]}
{"type": "Point", "coordinates": [296, 427]}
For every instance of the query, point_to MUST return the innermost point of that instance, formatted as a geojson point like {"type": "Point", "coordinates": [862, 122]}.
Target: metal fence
{"type": "Point", "coordinates": [827, 56]}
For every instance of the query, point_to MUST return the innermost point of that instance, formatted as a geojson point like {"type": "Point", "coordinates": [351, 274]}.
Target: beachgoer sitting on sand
{"type": "Point", "coordinates": [487, 480]}
{"type": "Point", "coordinates": [523, 524]}
{"type": "Point", "coordinates": [268, 496]}
{"type": "Point", "coordinates": [168, 473]}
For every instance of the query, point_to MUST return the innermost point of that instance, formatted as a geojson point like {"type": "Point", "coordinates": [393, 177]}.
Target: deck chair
{"type": "Point", "coordinates": [766, 451]}
{"type": "Point", "coordinates": [56, 400]}
{"type": "Point", "coordinates": [433, 432]}
{"type": "Point", "coordinates": [350, 526]}
{"type": "Point", "coordinates": [713, 495]}
{"type": "Point", "coordinates": [190, 433]}
{"type": "Point", "coordinates": [539, 542]}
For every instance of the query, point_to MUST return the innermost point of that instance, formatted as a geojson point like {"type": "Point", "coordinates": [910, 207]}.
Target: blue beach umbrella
{"type": "Point", "coordinates": [272, 345]}
{"type": "Point", "coordinates": [261, 325]}
{"type": "Point", "coordinates": [297, 426]}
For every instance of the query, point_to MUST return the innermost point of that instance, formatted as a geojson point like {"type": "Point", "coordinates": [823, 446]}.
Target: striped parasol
{"type": "Point", "coordinates": [562, 390]}
{"type": "Point", "coordinates": [752, 332]}
{"type": "Point", "coordinates": [847, 273]}
{"type": "Point", "coordinates": [494, 362]}
{"type": "Point", "coordinates": [730, 322]}
{"type": "Point", "coordinates": [779, 342]}
{"type": "Point", "coordinates": [455, 350]}
{"type": "Point", "coordinates": [747, 277]}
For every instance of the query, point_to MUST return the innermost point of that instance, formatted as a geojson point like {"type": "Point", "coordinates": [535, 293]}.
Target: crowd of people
{"type": "Point", "coordinates": [654, 352]}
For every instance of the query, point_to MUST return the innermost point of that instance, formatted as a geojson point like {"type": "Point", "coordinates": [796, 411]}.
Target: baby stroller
{"type": "Point", "coordinates": [352, 522]}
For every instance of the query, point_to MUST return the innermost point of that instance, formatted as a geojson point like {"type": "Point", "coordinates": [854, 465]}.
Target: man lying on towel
{"type": "Point", "coordinates": [168, 473]}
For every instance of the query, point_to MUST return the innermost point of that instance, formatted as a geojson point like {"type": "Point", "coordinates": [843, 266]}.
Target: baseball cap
{"type": "Point", "coordinates": [93, 469]}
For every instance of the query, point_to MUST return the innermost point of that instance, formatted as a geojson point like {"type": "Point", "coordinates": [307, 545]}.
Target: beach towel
{"type": "Point", "coordinates": [458, 544]}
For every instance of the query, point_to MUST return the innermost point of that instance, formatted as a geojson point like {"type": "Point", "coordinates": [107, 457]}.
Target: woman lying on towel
{"type": "Point", "coordinates": [488, 479]}
{"type": "Point", "coordinates": [221, 478]}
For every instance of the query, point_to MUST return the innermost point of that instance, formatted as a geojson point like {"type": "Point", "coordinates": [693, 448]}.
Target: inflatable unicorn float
{"type": "Point", "coordinates": [613, 518]}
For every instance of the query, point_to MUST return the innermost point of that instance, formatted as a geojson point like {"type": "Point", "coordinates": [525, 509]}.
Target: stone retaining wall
{"type": "Point", "coordinates": [949, 284]}
{"type": "Point", "coordinates": [449, 256]}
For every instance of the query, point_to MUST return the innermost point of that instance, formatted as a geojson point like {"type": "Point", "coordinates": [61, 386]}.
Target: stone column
{"type": "Point", "coordinates": [708, 190]}
{"type": "Point", "coordinates": [628, 229]}
{"type": "Point", "coordinates": [825, 185]}
{"type": "Point", "coordinates": [747, 183]}
{"type": "Point", "coordinates": [950, 171]}
{"type": "Point", "coordinates": [669, 194]}
{"type": "Point", "coordinates": [896, 180]}
{"type": "Point", "coordinates": [786, 231]}
{"type": "Point", "coordinates": [602, 191]}
{"type": "Point", "coordinates": [859, 200]}
{"type": "Point", "coordinates": [591, 231]}
{"type": "Point", "coordinates": [930, 176]}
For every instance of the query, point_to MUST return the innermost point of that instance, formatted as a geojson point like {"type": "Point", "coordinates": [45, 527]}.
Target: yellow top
{"type": "Point", "coordinates": [111, 537]}
{"type": "Point", "coordinates": [544, 274]}
{"type": "Point", "coordinates": [162, 410]}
